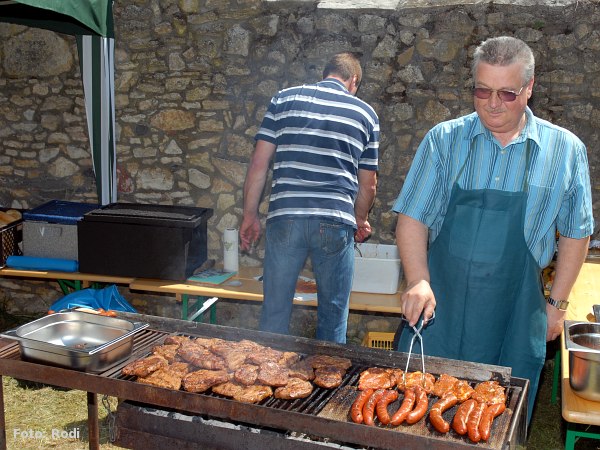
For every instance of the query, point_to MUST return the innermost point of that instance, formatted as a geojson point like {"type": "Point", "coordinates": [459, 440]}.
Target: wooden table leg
{"type": "Point", "coordinates": [2, 418]}
{"type": "Point", "coordinates": [93, 428]}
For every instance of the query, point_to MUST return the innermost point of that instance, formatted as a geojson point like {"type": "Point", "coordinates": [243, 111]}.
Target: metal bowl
{"type": "Point", "coordinates": [77, 340]}
{"type": "Point", "coordinates": [582, 340]}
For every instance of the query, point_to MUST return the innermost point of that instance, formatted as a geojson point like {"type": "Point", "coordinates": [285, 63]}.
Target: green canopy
{"type": "Point", "coordinates": [91, 21]}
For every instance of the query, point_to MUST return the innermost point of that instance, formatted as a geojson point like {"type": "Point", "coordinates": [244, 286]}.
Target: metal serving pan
{"type": "Point", "coordinates": [77, 340]}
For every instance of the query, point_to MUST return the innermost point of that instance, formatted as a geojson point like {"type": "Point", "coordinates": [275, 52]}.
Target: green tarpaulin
{"type": "Point", "coordinates": [91, 21]}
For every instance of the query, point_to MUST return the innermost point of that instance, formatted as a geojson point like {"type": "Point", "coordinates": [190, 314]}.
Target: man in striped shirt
{"type": "Point", "coordinates": [324, 142]}
{"type": "Point", "coordinates": [478, 217]}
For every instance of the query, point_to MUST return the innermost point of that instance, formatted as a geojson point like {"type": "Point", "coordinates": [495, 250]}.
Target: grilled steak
{"type": "Point", "coordinates": [319, 361]}
{"type": "Point", "coordinates": [253, 394]}
{"type": "Point", "coordinates": [200, 356]}
{"type": "Point", "coordinates": [167, 351]}
{"type": "Point", "coordinates": [228, 389]}
{"type": "Point", "coordinates": [412, 379]}
{"type": "Point", "coordinates": [250, 346]}
{"type": "Point", "coordinates": [289, 359]}
{"type": "Point", "coordinates": [145, 366]}
{"type": "Point", "coordinates": [303, 370]}
{"type": "Point", "coordinates": [167, 377]}
{"type": "Point", "coordinates": [246, 374]}
{"type": "Point", "coordinates": [489, 392]}
{"type": "Point", "coordinates": [241, 393]}
{"type": "Point", "coordinates": [202, 380]}
{"type": "Point", "coordinates": [447, 384]}
{"type": "Point", "coordinates": [378, 378]}
{"type": "Point", "coordinates": [272, 374]}
{"type": "Point", "coordinates": [178, 340]}
{"type": "Point", "coordinates": [207, 342]}
{"type": "Point", "coordinates": [245, 371]}
{"type": "Point", "coordinates": [329, 377]}
{"type": "Point", "coordinates": [295, 388]}
{"type": "Point", "coordinates": [444, 384]}
{"type": "Point", "coordinates": [463, 390]}
{"type": "Point", "coordinates": [264, 354]}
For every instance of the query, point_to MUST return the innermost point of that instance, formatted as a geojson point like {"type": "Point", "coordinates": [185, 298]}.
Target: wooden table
{"type": "Point", "coordinates": [74, 280]}
{"type": "Point", "coordinates": [577, 410]}
{"type": "Point", "coordinates": [251, 290]}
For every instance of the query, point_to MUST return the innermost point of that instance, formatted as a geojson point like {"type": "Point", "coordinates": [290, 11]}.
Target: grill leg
{"type": "Point", "coordinates": [93, 429]}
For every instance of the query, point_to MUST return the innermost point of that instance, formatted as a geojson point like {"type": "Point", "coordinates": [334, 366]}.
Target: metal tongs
{"type": "Point", "coordinates": [412, 341]}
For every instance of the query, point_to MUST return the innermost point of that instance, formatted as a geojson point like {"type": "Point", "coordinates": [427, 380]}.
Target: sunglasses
{"type": "Point", "coordinates": [505, 96]}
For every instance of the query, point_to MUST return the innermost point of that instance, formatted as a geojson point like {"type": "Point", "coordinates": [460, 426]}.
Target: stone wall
{"type": "Point", "coordinates": [194, 77]}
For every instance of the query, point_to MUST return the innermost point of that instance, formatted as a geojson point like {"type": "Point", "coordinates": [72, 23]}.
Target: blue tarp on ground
{"type": "Point", "coordinates": [108, 298]}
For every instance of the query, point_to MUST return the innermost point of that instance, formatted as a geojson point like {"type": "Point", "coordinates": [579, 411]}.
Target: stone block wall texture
{"type": "Point", "coordinates": [193, 80]}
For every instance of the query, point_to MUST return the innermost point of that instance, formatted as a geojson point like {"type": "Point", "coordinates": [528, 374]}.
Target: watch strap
{"type": "Point", "coordinates": [560, 304]}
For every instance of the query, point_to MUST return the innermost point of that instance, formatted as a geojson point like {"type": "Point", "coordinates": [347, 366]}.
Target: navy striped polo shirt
{"type": "Point", "coordinates": [323, 136]}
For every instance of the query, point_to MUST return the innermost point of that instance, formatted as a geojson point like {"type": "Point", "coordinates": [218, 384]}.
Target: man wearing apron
{"type": "Point", "coordinates": [478, 216]}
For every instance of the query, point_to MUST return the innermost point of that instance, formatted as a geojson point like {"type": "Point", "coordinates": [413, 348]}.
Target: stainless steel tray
{"type": "Point", "coordinates": [77, 340]}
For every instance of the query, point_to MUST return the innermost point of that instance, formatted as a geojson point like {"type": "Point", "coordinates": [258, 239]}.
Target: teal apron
{"type": "Point", "coordinates": [490, 304]}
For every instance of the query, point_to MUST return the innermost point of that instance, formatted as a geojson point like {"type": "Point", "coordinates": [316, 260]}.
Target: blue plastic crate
{"type": "Point", "coordinates": [59, 211]}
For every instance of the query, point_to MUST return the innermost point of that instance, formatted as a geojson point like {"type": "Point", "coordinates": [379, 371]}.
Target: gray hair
{"type": "Point", "coordinates": [504, 51]}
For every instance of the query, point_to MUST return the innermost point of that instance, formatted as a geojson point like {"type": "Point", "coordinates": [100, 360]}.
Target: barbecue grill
{"type": "Point", "coordinates": [316, 421]}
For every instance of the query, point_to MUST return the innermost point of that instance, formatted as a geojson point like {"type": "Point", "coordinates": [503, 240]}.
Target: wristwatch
{"type": "Point", "coordinates": [560, 304]}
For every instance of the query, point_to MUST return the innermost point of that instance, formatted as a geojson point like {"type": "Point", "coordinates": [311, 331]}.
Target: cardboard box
{"type": "Point", "coordinates": [50, 230]}
{"type": "Point", "coordinates": [143, 241]}
{"type": "Point", "coordinates": [377, 268]}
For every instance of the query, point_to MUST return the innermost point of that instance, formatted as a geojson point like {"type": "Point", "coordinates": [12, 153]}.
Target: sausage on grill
{"type": "Point", "coordinates": [357, 407]}
{"type": "Point", "coordinates": [459, 423]}
{"type": "Point", "coordinates": [435, 414]}
{"type": "Point", "coordinates": [389, 395]}
{"type": "Point", "coordinates": [407, 405]}
{"type": "Point", "coordinates": [473, 422]}
{"type": "Point", "coordinates": [488, 416]}
{"type": "Point", "coordinates": [421, 407]}
{"type": "Point", "coordinates": [369, 407]}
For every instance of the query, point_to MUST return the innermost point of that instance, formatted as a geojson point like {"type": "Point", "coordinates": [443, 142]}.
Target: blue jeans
{"type": "Point", "coordinates": [330, 246]}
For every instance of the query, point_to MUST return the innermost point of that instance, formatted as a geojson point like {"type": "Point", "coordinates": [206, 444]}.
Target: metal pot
{"type": "Point", "coordinates": [582, 340]}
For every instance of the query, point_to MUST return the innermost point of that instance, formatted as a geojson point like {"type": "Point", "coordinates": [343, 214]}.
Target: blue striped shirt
{"type": "Point", "coordinates": [559, 192]}
{"type": "Point", "coordinates": [323, 136]}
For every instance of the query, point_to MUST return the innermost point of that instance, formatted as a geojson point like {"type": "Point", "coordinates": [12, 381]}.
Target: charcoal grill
{"type": "Point", "coordinates": [323, 416]}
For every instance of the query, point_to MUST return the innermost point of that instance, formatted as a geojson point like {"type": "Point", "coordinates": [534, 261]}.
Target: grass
{"type": "Point", "coordinates": [34, 407]}
{"type": "Point", "coordinates": [43, 417]}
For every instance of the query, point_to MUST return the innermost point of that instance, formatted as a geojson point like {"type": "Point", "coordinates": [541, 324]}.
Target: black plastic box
{"type": "Point", "coordinates": [143, 241]}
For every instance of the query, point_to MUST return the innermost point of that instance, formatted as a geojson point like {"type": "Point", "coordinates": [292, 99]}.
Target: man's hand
{"type": "Point", "coordinates": [556, 318]}
{"type": "Point", "coordinates": [418, 299]}
{"type": "Point", "coordinates": [363, 231]}
{"type": "Point", "coordinates": [249, 232]}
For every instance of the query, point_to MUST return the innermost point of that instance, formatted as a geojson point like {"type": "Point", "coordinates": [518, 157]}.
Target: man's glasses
{"type": "Point", "coordinates": [505, 96]}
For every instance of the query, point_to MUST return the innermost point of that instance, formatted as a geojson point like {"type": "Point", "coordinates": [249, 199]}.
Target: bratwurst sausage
{"type": "Point", "coordinates": [356, 408]}
{"type": "Point", "coordinates": [435, 414]}
{"type": "Point", "coordinates": [388, 397]}
{"type": "Point", "coordinates": [489, 414]}
{"type": "Point", "coordinates": [421, 407]}
{"type": "Point", "coordinates": [407, 405]}
{"type": "Point", "coordinates": [459, 423]}
{"type": "Point", "coordinates": [369, 408]}
{"type": "Point", "coordinates": [473, 422]}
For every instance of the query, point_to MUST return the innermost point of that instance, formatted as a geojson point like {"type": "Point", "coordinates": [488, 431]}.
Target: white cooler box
{"type": "Point", "coordinates": [377, 269]}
